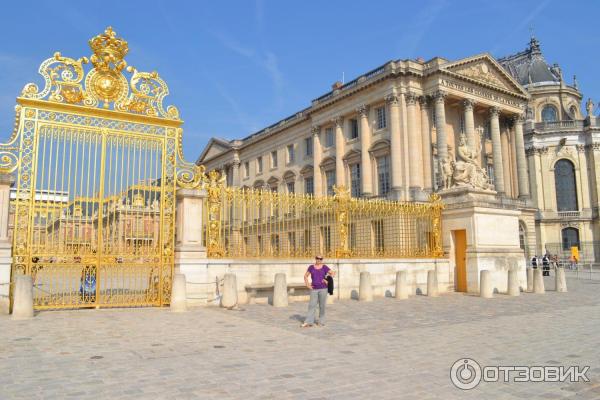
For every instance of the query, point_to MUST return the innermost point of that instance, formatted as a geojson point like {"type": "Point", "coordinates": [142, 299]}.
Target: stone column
{"type": "Point", "coordinates": [440, 127]}
{"type": "Point", "coordinates": [317, 158]}
{"type": "Point", "coordinates": [5, 246]}
{"type": "Point", "coordinates": [340, 179]}
{"type": "Point", "coordinates": [506, 162]}
{"type": "Point", "coordinates": [235, 170]}
{"type": "Point", "coordinates": [497, 150]}
{"type": "Point", "coordinates": [426, 144]}
{"type": "Point", "coordinates": [190, 254]}
{"type": "Point", "coordinates": [365, 157]}
{"type": "Point", "coordinates": [470, 124]}
{"type": "Point", "coordinates": [395, 144]}
{"type": "Point", "coordinates": [414, 146]}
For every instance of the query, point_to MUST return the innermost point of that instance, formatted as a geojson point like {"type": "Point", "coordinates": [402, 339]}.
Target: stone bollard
{"type": "Point", "coordinates": [486, 290]}
{"type": "Point", "coordinates": [23, 300]}
{"type": "Point", "coordinates": [432, 283]}
{"type": "Point", "coordinates": [530, 279]}
{"type": "Point", "coordinates": [178, 294]}
{"type": "Point", "coordinates": [561, 281]}
{"type": "Point", "coordinates": [513, 283]}
{"type": "Point", "coordinates": [229, 298]}
{"type": "Point", "coordinates": [538, 281]}
{"type": "Point", "coordinates": [280, 294]}
{"type": "Point", "coordinates": [401, 285]}
{"type": "Point", "coordinates": [365, 289]}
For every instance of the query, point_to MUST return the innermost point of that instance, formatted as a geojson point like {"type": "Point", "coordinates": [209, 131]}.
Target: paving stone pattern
{"type": "Point", "coordinates": [386, 349]}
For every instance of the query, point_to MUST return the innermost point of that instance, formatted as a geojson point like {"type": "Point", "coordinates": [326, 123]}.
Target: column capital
{"type": "Point", "coordinates": [392, 99]}
{"type": "Point", "coordinates": [494, 111]}
{"type": "Point", "coordinates": [411, 98]}
{"type": "Point", "coordinates": [518, 118]}
{"type": "Point", "coordinates": [315, 129]}
{"type": "Point", "coordinates": [362, 110]}
{"type": "Point", "coordinates": [424, 101]}
{"type": "Point", "coordinates": [440, 96]}
{"type": "Point", "coordinates": [338, 120]}
{"type": "Point", "coordinates": [468, 104]}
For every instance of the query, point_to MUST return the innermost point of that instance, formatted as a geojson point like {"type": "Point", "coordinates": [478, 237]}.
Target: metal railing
{"type": "Point", "coordinates": [256, 223]}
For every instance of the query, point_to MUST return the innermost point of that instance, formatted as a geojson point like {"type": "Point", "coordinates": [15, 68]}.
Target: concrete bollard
{"type": "Point", "coordinates": [513, 283]}
{"type": "Point", "coordinates": [229, 298]}
{"type": "Point", "coordinates": [486, 290]}
{"type": "Point", "coordinates": [561, 281]}
{"type": "Point", "coordinates": [538, 281]}
{"type": "Point", "coordinates": [178, 294]}
{"type": "Point", "coordinates": [530, 279]}
{"type": "Point", "coordinates": [365, 289]}
{"type": "Point", "coordinates": [280, 294]}
{"type": "Point", "coordinates": [23, 300]}
{"type": "Point", "coordinates": [432, 283]}
{"type": "Point", "coordinates": [401, 285]}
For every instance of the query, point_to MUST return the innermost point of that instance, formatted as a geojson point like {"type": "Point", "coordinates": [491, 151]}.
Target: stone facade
{"type": "Point", "coordinates": [396, 131]}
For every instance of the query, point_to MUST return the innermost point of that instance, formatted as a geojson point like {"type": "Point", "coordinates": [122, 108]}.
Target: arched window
{"type": "Point", "coordinates": [549, 114]}
{"type": "Point", "coordinates": [566, 189]}
{"type": "Point", "coordinates": [522, 236]}
{"type": "Point", "coordinates": [570, 238]}
{"type": "Point", "coordinates": [573, 112]}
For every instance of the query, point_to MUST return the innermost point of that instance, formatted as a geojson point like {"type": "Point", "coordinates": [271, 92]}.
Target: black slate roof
{"type": "Point", "coordinates": [529, 66]}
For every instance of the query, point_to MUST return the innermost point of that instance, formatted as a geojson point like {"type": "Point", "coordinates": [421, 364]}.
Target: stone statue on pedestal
{"type": "Point", "coordinates": [589, 106]}
{"type": "Point", "coordinates": [465, 171]}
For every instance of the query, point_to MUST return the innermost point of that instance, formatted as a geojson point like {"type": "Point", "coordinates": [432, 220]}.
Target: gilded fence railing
{"type": "Point", "coordinates": [256, 223]}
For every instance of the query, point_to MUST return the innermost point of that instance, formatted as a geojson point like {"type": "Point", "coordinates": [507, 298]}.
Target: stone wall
{"type": "Point", "coordinates": [202, 289]}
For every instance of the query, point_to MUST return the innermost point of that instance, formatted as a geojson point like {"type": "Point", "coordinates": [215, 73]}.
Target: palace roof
{"type": "Point", "coordinates": [529, 66]}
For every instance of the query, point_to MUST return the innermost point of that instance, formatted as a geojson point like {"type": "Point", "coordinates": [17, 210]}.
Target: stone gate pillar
{"type": "Point", "coordinates": [6, 181]}
{"type": "Point", "coordinates": [190, 252]}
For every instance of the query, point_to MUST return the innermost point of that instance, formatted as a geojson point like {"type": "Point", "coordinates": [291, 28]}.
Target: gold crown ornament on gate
{"type": "Point", "coordinates": [104, 85]}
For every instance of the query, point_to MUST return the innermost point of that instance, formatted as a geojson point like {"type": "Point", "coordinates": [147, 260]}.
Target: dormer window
{"type": "Point", "coordinates": [549, 114]}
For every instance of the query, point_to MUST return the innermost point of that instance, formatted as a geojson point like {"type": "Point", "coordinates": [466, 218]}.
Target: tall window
{"type": "Point", "coordinates": [308, 146]}
{"type": "Point", "coordinates": [290, 153]}
{"type": "Point", "coordinates": [291, 187]}
{"type": "Point", "coordinates": [522, 238]}
{"type": "Point", "coordinates": [566, 189]}
{"type": "Point", "coordinates": [355, 180]}
{"type": "Point", "coordinates": [274, 159]}
{"type": "Point", "coordinates": [383, 175]}
{"type": "Point", "coordinates": [353, 128]}
{"type": "Point", "coordinates": [330, 179]}
{"type": "Point", "coordinates": [309, 187]}
{"type": "Point", "coordinates": [381, 117]}
{"type": "Point", "coordinates": [246, 169]}
{"type": "Point", "coordinates": [329, 140]}
{"type": "Point", "coordinates": [570, 238]}
{"type": "Point", "coordinates": [549, 114]}
{"type": "Point", "coordinates": [259, 165]}
{"type": "Point", "coordinates": [462, 123]}
{"type": "Point", "coordinates": [490, 172]}
{"type": "Point", "coordinates": [487, 130]}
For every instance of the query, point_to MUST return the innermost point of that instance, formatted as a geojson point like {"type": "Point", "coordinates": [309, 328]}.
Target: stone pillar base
{"type": "Point", "coordinates": [5, 271]}
{"type": "Point", "coordinates": [492, 232]}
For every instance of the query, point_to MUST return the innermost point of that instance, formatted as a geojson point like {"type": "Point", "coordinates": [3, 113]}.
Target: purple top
{"type": "Point", "coordinates": [317, 276]}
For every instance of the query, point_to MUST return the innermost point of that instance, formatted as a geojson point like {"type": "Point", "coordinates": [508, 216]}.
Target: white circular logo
{"type": "Point", "coordinates": [465, 373]}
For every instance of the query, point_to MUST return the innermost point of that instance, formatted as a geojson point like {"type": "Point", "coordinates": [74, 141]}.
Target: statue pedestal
{"type": "Point", "coordinates": [492, 238]}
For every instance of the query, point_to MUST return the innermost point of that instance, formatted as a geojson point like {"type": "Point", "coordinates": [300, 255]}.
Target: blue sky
{"type": "Point", "coordinates": [234, 67]}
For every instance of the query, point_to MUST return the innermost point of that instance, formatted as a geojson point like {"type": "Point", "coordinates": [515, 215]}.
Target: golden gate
{"type": "Point", "coordinates": [96, 160]}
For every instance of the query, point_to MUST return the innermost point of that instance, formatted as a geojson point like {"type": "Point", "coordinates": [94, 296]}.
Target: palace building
{"type": "Point", "coordinates": [412, 127]}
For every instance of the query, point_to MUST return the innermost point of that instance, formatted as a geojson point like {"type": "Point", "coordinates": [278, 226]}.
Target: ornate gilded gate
{"type": "Point", "coordinates": [96, 161]}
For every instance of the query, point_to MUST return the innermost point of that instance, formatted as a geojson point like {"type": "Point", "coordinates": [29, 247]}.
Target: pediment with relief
{"type": "Point", "coordinates": [485, 70]}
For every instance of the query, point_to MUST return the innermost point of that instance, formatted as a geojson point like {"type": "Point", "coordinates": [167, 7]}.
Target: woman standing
{"type": "Point", "coordinates": [318, 290]}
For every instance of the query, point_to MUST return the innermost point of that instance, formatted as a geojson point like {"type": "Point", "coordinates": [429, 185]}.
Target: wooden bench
{"type": "Point", "coordinates": [253, 290]}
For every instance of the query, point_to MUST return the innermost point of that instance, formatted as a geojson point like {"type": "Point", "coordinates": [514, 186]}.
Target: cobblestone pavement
{"type": "Point", "coordinates": [386, 349]}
